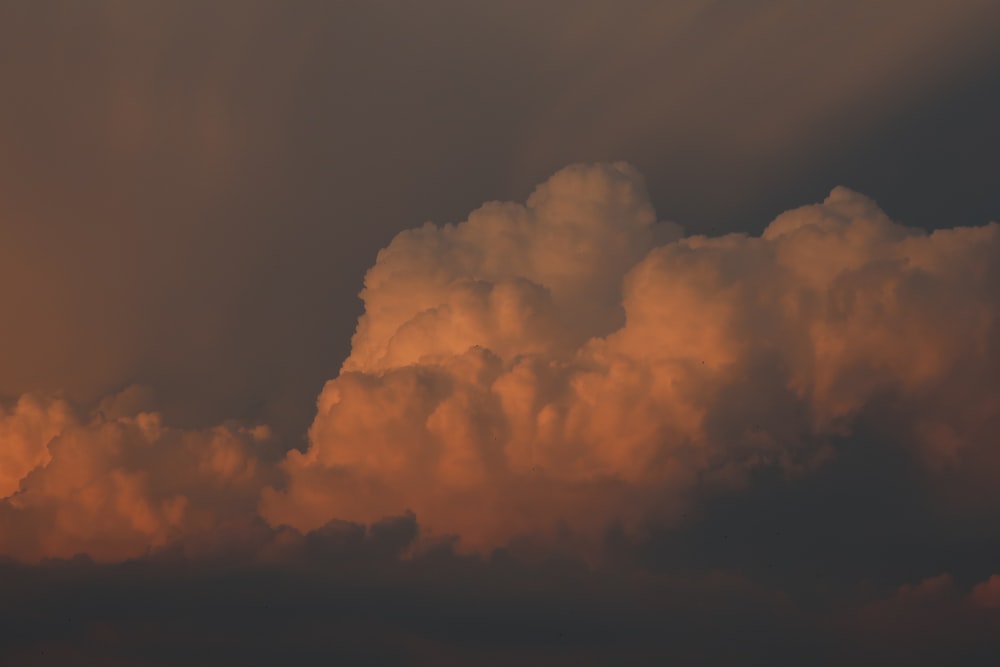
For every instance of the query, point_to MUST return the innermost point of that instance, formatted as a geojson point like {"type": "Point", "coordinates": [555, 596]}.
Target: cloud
{"type": "Point", "coordinates": [25, 431]}
{"type": "Point", "coordinates": [571, 364]}
{"type": "Point", "coordinates": [986, 594]}
{"type": "Point", "coordinates": [930, 620]}
{"type": "Point", "coordinates": [348, 598]}
{"type": "Point", "coordinates": [115, 486]}
{"type": "Point", "coordinates": [525, 389]}
{"type": "Point", "coordinates": [514, 279]}
{"type": "Point", "coordinates": [542, 374]}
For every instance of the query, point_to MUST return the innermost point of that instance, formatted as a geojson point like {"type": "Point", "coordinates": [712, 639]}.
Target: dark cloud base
{"type": "Point", "coordinates": [348, 595]}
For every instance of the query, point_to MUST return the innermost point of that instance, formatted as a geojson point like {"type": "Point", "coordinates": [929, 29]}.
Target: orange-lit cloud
{"type": "Point", "coordinates": [25, 431]}
{"type": "Point", "coordinates": [117, 486]}
{"type": "Point", "coordinates": [572, 362]}
{"type": "Point", "coordinates": [551, 370]}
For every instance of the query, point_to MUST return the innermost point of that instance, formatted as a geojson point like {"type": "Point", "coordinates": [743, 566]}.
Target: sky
{"type": "Point", "coordinates": [535, 333]}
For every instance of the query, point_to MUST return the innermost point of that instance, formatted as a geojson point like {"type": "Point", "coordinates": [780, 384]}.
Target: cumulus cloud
{"type": "Point", "coordinates": [572, 363]}
{"type": "Point", "coordinates": [553, 370]}
{"type": "Point", "coordinates": [116, 486]}
{"type": "Point", "coordinates": [517, 280]}
{"type": "Point", "coordinates": [25, 431]}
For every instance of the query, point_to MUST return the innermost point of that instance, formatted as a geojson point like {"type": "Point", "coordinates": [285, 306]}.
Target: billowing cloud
{"type": "Point", "coordinates": [573, 364]}
{"type": "Point", "coordinates": [117, 486]}
{"type": "Point", "coordinates": [553, 370]}
{"type": "Point", "coordinates": [25, 431]}
{"type": "Point", "coordinates": [514, 279]}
